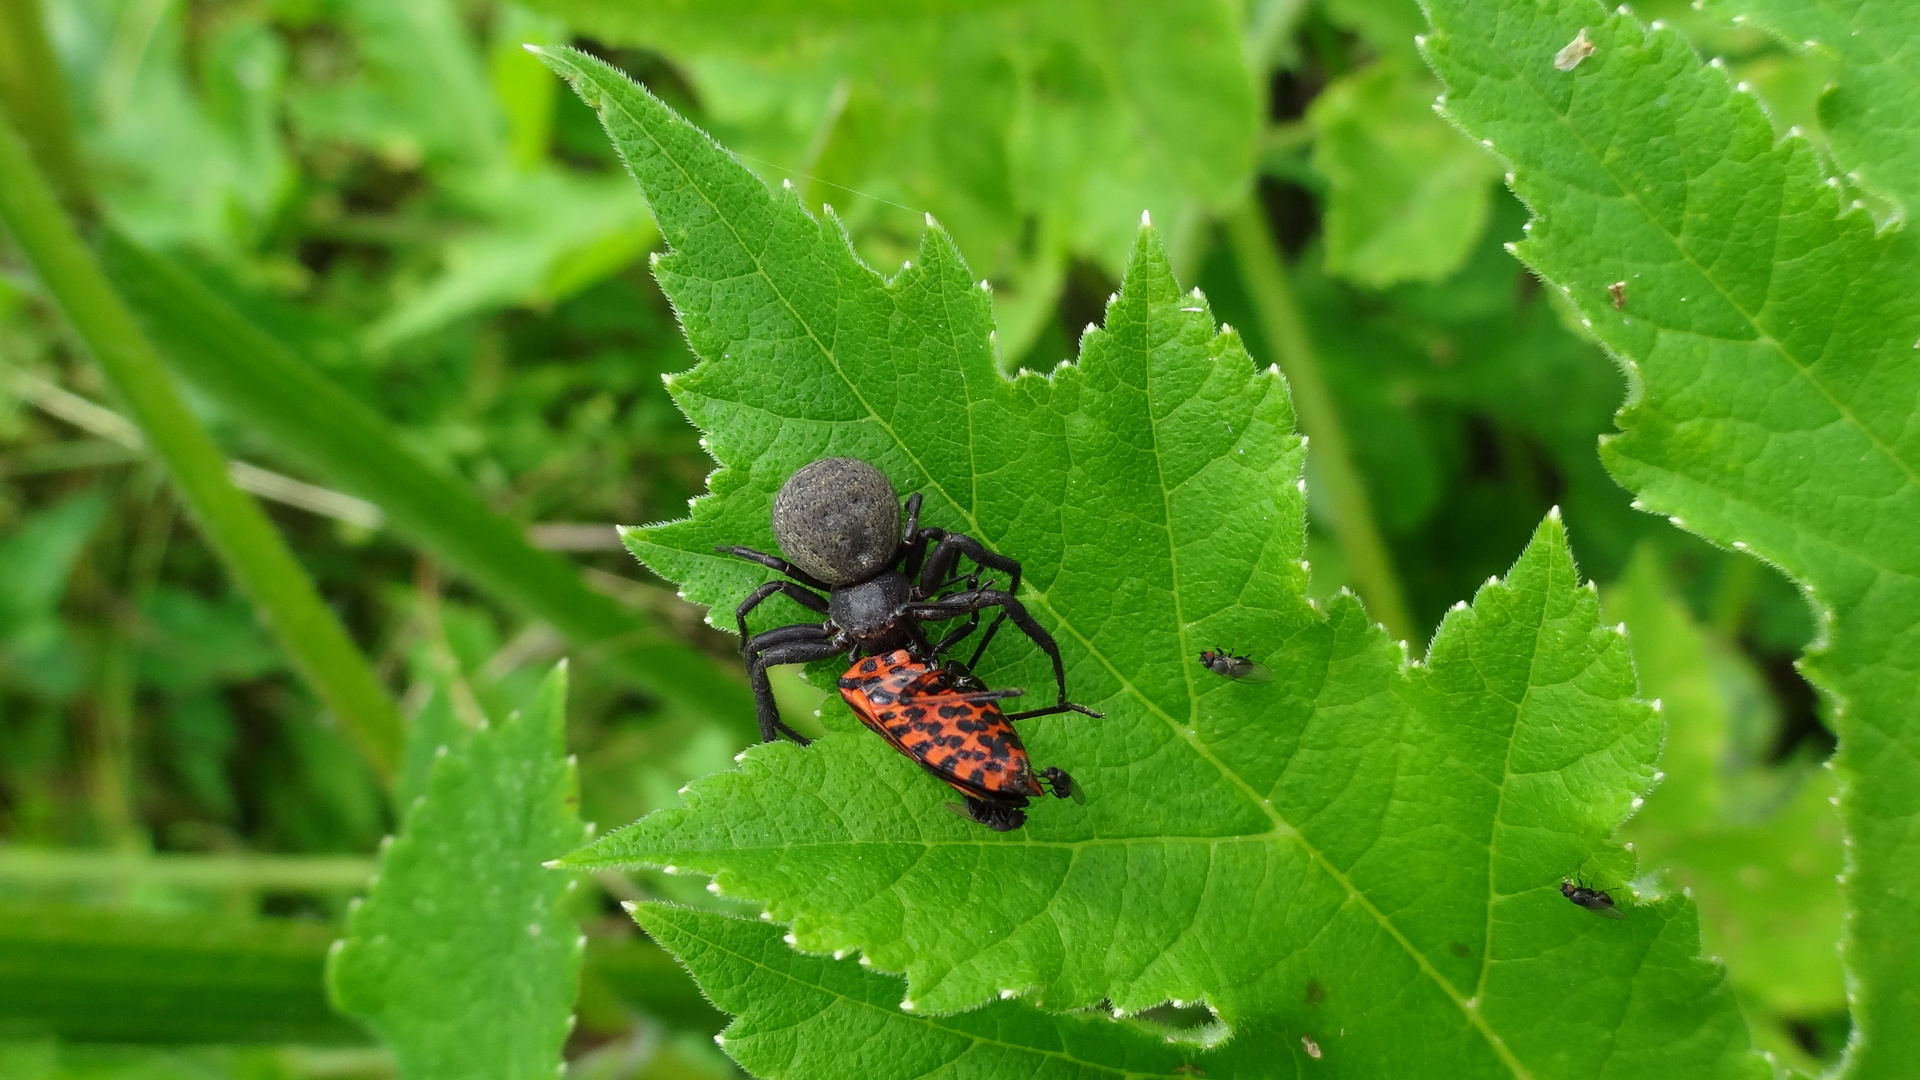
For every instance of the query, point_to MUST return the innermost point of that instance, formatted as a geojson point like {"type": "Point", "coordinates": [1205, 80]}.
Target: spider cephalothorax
{"type": "Point", "coordinates": [838, 523]}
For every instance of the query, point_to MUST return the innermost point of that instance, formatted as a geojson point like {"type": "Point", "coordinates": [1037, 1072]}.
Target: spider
{"type": "Point", "coordinates": [838, 522]}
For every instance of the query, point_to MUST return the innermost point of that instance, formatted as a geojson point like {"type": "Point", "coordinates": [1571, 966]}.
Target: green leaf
{"type": "Point", "coordinates": [1872, 114]}
{"type": "Point", "coordinates": [805, 1016]}
{"type": "Point", "coordinates": [1406, 197]}
{"type": "Point", "coordinates": [462, 957]}
{"type": "Point", "coordinates": [1769, 329]}
{"type": "Point", "coordinates": [1036, 132]}
{"type": "Point", "coordinates": [1364, 851]}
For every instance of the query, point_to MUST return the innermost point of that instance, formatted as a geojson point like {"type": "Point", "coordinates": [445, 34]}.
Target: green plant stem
{"type": "Point", "coordinates": [279, 873]}
{"type": "Point", "coordinates": [1265, 278]}
{"type": "Point", "coordinates": [232, 523]}
{"type": "Point", "coordinates": [327, 430]}
{"type": "Point", "coordinates": [33, 96]}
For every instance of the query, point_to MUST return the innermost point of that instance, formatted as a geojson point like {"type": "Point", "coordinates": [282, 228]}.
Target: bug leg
{"type": "Point", "coordinates": [809, 600]}
{"type": "Point", "coordinates": [774, 562]}
{"type": "Point", "coordinates": [1052, 710]}
{"type": "Point", "coordinates": [961, 603]}
{"type": "Point", "coordinates": [783, 645]}
{"type": "Point", "coordinates": [995, 816]}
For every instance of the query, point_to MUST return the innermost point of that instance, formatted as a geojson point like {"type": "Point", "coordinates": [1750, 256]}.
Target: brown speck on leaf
{"type": "Point", "coordinates": [1460, 950]}
{"type": "Point", "coordinates": [1313, 1048]}
{"type": "Point", "coordinates": [1577, 50]}
{"type": "Point", "coordinates": [1315, 992]}
{"type": "Point", "coordinates": [1618, 290]}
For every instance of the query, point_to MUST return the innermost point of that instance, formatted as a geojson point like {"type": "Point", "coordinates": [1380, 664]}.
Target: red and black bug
{"type": "Point", "coordinates": [838, 522]}
{"type": "Point", "coordinates": [952, 726]}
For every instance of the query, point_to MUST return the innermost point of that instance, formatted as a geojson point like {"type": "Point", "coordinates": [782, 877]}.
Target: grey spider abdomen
{"type": "Point", "coordinates": [838, 519]}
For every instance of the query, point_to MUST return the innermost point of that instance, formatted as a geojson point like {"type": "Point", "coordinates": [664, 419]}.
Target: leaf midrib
{"type": "Point", "coordinates": [1472, 1014]}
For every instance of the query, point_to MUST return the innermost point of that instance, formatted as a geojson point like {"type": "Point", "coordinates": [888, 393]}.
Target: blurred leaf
{"type": "Point", "coordinates": [417, 91]}
{"type": "Point", "coordinates": [1036, 133]}
{"type": "Point", "coordinates": [38, 556]}
{"type": "Point", "coordinates": [1769, 327]}
{"type": "Point", "coordinates": [1366, 851]}
{"type": "Point", "coordinates": [1763, 873]}
{"type": "Point", "coordinates": [324, 429]}
{"type": "Point", "coordinates": [195, 642]}
{"type": "Point", "coordinates": [643, 975]}
{"type": "Point", "coordinates": [200, 736]}
{"type": "Point", "coordinates": [92, 974]}
{"type": "Point", "coordinates": [249, 546]}
{"type": "Point", "coordinates": [188, 150]}
{"type": "Point", "coordinates": [461, 957]}
{"type": "Point", "coordinates": [1406, 196]}
{"type": "Point", "coordinates": [1869, 115]}
{"type": "Point", "coordinates": [1387, 26]}
{"type": "Point", "coordinates": [555, 234]}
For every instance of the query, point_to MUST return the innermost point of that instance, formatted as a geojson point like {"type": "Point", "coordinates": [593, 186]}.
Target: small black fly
{"type": "Point", "coordinates": [1594, 900]}
{"type": "Point", "coordinates": [1237, 668]}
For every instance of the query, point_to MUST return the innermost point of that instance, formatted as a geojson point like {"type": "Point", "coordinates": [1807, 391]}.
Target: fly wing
{"type": "Point", "coordinates": [1254, 673]}
{"type": "Point", "coordinates": [1608, 911]}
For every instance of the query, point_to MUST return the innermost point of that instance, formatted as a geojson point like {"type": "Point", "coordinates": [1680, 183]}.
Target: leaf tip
{"type": "Point", "coordinates": [630, 906]}
{"type": "Point", "coordinates": [1146, 219]}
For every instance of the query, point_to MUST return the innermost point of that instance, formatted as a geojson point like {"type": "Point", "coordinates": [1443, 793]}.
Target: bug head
{"type": "Point", "coordinates": [838, 519]}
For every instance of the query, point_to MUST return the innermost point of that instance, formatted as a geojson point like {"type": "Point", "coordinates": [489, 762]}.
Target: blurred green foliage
{"type": "Point", "coordinates": [413, 207]}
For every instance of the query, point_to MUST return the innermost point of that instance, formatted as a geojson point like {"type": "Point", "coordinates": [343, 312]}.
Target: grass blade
{"type": "Point", "coordinates": [325, 429]}
{"type": "Point", "coordinates": [231, 522]}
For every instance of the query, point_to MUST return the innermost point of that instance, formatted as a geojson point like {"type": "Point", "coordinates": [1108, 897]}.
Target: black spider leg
{"type": "Point", "coordinates": [761, 650]}
{"type": "Point", "coordinates": [810, 601]}
{"type": "Point", "coordinates": [774, 562]}
{"type": "Point", "coordinates": [959, 633]}
{"type": "Point", "coordinates": [952, 607]}
{"type": "Point", "coordinates": [947, 549]}
{"type": "Point", "coordinates": [913, 542]}
{"type": "Point", "coordinates": [783, 645]}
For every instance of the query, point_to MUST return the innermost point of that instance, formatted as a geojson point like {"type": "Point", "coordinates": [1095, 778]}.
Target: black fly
{"type": "Point", "coordinates": [1594, 900]}
{"type": "Point", "coordinates": [1237, 668]}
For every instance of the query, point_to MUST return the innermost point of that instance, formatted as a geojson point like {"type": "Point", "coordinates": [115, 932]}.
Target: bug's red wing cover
{"type": "Point", "coordinates": [963, 740]}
